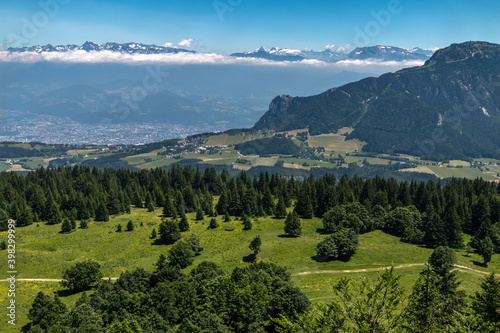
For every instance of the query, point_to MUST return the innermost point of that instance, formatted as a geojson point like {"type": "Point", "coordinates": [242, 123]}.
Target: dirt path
{"type": "Point", "coordinates": [375, 269]}
{"type": "Point", "coordinates": [52, 280]}
{"type": "Point", "coordinates": [362, 270]}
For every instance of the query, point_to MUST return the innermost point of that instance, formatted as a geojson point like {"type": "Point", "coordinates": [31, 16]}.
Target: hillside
{"type": "Point", "coordinates": [447, 108]}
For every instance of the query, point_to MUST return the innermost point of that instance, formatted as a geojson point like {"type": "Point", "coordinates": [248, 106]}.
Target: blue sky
{"type": "Point", "coordinates": [226, 26]}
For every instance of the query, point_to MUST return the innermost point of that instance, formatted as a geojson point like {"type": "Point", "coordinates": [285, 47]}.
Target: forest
{"type": "Point", "coordinates": [260, 297]}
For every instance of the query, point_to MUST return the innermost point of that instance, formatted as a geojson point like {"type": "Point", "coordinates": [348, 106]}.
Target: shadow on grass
{"type": "Point", "coordinates": [68, 292]}
{"type": "Point", "coordinates": [480, 264]}
{"type": "Point", "coordinates": [322, 231]}
{"type": "Point", "coordinates": [159, 241]}
{"type": "Point", "coordinates": [250, 258]}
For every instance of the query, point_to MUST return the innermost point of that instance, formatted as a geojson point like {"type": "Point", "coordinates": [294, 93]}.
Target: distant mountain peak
{"type": "Point", "coordinates": [378, 52]}
{"type": "Point", "coordinates": [131, 48]}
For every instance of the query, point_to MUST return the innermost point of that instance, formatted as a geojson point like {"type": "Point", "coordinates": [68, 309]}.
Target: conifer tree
{"type": "Point", "coordinates": [247, 223]}
{"type": "Point", "coordinates": [183, 224]}
{"type": "Point", "coordinates": [130, 225]}
{"type": "Point", "coordinates": [66, 226]}
{"type": "Point", "coordinates": [292, 225]}
{"type": "Point", "coordinates": [52, 212]}
{"type": "Point", "coordinates": [280, 208]}
{"type": "Point", "coordinates": [486, 302]}
{"type": "Point", "coordinates": [199, 214]}
{"type": "Point", "coordinates": [255, 245]}
{"type": "Point", "coordinates": [213, 223]}
{"type": "Point", "coordinates": [169, 232]}
{"type": "Point", "coordinates": [73, 222]}
{"type": "Point", "coordinates": [101, 213]}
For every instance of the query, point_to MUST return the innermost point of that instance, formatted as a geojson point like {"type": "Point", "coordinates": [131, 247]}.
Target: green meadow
{"type": "Point", "coordinates": [44, 253]}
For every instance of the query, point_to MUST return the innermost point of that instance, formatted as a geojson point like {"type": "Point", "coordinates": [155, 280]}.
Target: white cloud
{"type": "Point", "coordinates": [184, 58]}
{"type": "Point", "coordinates": [185, 42]}
{"type": "Point", "coordinates": [376, 62]}
{"type": "Point", "coordinates": [433, 49]}
{"type": "Point", "coordinates": [344, 49]}
{"type": "Point", "coordinates": [169, 44]}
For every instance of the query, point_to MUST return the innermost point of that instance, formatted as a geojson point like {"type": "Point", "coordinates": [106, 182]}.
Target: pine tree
{"type": "Point", "coordinates": [292, 225]}
{"type": "Point", "coordinates": [119, 228]}
{"type": "Point", "coordinates": [213, 223]}
{"type": "Point", "coordinates": [486, 249]}
{"type": "Point", "coordinates": [486, 302]}
{"type": "Point", "coordinates": [66, 226]}
{"type": "Point", "coordinates": [183, 224]}
{"type": "Point", "coordinates": [247, 223]}
{"type": "Point", "coordinates": [150, 203]}
{"type": "Point", "coordinates": [255, 245]}
{"type": "Point", "coordinates": [268, 202]}
{"type": "Point", "coordinates": [52, 212]}
{"type": "Point", "coordinates": [25, 216]}
{"type": "Point", "coordinates": [154, 234]}
{"type": "Point", "coordinates": [280, 208]}
{"type": "Point", "coordinates": [83, 224]}
{"type": "Point", "coordinates": [73, 222]}
{"type": "Point", "coordinates": [223, 203]}
{"type": "Point", "coordinates": [130, 225]}
{"type": "Point", "coordinates": [169, 232]}
{"type": "Point", "coordinates": [137, 200]}
{"type": "Point", "coordinates": [199, 214]}
{"type": "Point", "coordinates": [227, 218]}
{"type": "Point", "coordinates": [101, 213]}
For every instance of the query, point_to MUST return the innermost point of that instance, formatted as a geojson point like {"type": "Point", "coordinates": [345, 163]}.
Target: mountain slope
{"type": "Point", "coordinates": [447, 108]}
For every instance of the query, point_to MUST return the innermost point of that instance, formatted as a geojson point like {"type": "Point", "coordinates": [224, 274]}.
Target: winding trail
{"type": "Point", "coordinates": [376, 269]}
{"type": "Point", "coordinates": [362, 270]}
{"type": "Point", "coordinates": [52, 280]}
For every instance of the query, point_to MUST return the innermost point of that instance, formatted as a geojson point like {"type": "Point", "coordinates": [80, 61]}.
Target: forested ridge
{"type": "Point", "coordinates": [423, 213]}
{"type": "Point", "coordinates": [260, 297]}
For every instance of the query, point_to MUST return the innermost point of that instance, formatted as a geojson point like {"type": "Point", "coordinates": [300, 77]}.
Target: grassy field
{"type": "Point", "coordinates": [334, 142]}
{"type": "Point", "coordinates": [139, 159]}
{"type": "Point", "coordinates": [300, 161]}
{"type": "Point", "coordinates": [372, 160]}
{"type": "Point", "coordinates": [34, 163]}
{"type": "Point", "coordinates": [42, 252]}
{"type": "Point", "coordinates": [225, 140]}
{"type": "Point", "coordinates": [4, 167]}
{"type": "Point", "coordinates": [461, 173]}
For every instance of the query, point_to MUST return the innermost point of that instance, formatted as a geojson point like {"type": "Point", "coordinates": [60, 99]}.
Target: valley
{"type": "Point", "coordinates": [322, 153]}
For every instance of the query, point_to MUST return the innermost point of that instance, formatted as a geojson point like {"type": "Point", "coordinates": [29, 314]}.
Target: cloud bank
{"type": "Point", "coordinates": [81, 56]}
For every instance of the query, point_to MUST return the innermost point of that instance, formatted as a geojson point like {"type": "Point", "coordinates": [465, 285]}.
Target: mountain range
{"type": "Point", "coordinates": [447, 108]}
{"type": "Point", "coordinates": [379, 53]}
{"type": "Point", "coordinates": [130, 48]}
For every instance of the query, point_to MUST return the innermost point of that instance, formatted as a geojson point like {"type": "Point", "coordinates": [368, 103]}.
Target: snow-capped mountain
{"type": "Point", "coordinates": [131, 48]}
{"type": "Point", "coordinates": [387, 53]}
{"type": "Point", "coordinates": [379, 52]}
{"type": "Point", "coordinates": [274, 53]}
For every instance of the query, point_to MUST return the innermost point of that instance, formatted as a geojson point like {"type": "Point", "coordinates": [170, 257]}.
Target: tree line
{"type": "Point", "coordinates": [428, 213]}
